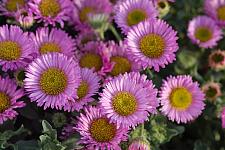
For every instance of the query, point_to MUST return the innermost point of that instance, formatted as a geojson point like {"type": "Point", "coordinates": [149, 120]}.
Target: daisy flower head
{"type": "Point", "coordinates": [217, 60]}
{"type": "Point", "coordinates": [88, 87]}
{"type": "Point", "coordinates": [125, 102]}
{"type": "Point", "coordinates": [10, 7]}
{"type": "Point", "coordinates": [212, 90]}
{"type": "Point", "coordinates": [202, 30]}
{"type": "Point", "coordinates": [51, 11]}
{"type": "Point", "coordinates": [122, 63]}
{"type": "Point", "coordinates": [181, 99]}
{"type": "Point", "coordinates": [16, 47]}
{"type": "Point", "coordinates": [52, 79]}
{"type": "Point", "coordinates": [216, 10]}
{"type": "Point", "coordinates": [129, 13]}
{"type": "Point", "coordinates": [94, 56]}
{"type": "Point", "coordinates": [9, 96]}
{"type": "Point", "coordinates": [97, 132]}
{"type": "Point", "coordinates": [152, 43]}
{"type": "Point", "coordinates": [87, 7]}
{"type": "Point", "coordinates": [54, 40]}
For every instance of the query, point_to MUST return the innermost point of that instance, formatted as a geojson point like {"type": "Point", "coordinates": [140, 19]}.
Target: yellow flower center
{"type": "Point", "coordinates": [82, 90]}
{"type": "Point", "coordinates": [124, 103]}
{"type": "Point", "coordinates": [203, 34]}
{"type": "Point", "coordinates": [49, 8]}
{"type": "Point", "coordinates": [180, 98]}
{"type": "Point", "coordinates": [221, 13]}
{"type": "Point", "coordinates": [9, 50]}
{"type": "Point", "coordinates": [53, 81]}
{"type": "Point", "coordinates": [102, 130]}
{"type": "Point", "coordinates": [13, 5]}
{"type": "Point", "coordinates": [121, 66]}
{"type": "Point", "coordinates": [136, 16]}
{"type": "Point", "coordinates": [49, 47]}
{"type": "Point", "coordinates": [152, 45]}
{"type": "Point", "coordinates": [4, 102]}
{"type": "Point", "coordinates": [91, 60]}
{"type": "Point", "coordinates": [84, 13]}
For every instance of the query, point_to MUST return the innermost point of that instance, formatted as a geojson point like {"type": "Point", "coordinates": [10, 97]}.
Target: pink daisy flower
{"type": "Point", "coordinates": [97, 132]}
{"type": "Point", "coordinates": [216, 10]}
{"type": "Point", "coordinates": [125, 102]}
{"type": "Point", "coordinates": [94, 56]}
{"type": "Point", "coordinates": [122, 63]}
{"type": "Point", "coordinates": [51, 11]}
{"type": "Point", "coordinates": [181, 99]}
{"type": "Point", "coordinates": [203, 31]}
{"type": "Point", "coordinates": [152, 43]}
{"type": "Point", "coordinates": [87, 7]}
{"type": "Point", "coordinates": [10, 7]}
{"type": "Point", "coordinates": [217, 60]}
{"type": "Point", "coordinates": [54, 40]}
{"type": "Point", "coordinates": [223, 117]}
{"type": "Point", "coordinates": [16, 47]}
{"type": "Point", "coordinates": [131, 12]}
{"type": "Point", "coordinates": [9, 96]}
{"type": "Point", "coordinates": [52, 80]}
{"type": "Point", "coordinates": [89, 86]}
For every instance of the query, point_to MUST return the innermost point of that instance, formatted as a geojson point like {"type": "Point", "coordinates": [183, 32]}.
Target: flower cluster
{"type": "Point", "coordinates": [106, 85]}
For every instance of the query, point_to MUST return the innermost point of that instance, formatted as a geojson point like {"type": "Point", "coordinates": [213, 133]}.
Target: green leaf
{"type": "Point", "coordinates": [7, 135]}
{"type": "Point", "coordinates": [72, 143]}
{"type": "Point", "coordinates": [27, 145]}
{"type": "Point", "coordinates": [47, 129]}
{"type": "Point", "coordinates": [200, 146]}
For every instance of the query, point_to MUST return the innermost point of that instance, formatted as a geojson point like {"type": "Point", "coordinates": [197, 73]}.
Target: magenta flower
{"type": "Point", "coordinates": [125, 101]}
{"type": "Point", "coordinates": [152, 43]}
{"type": "Point", "coordinates": [131, 12]}
{"type": "Point", "coordinates": [181, 99]}
{"type": "Point", "coordinates": [89, 86]}
{"type": "Point", "coordinates": [52, 80]}
{"type": "Point", "coordinates": [203, 31]}
{"type": "Point", "coordinates": [216, 10]}
{"type": "Point", "coordinates": [51, 11]}
{"type": "Point", "coordinates": [94, 56]}
{"type": "Point", "coordinates": [11, 7]}
{"type": "Point", "coordinates": [223, 117]}
{"type": "Point", "coordinates": [97, 132]}
{"type": "Point", "coordinates": [54, 40]}
{"type": "Point", "coordinates": [9, 96]}
{"type": "Point", "coordinates": [16, 48]}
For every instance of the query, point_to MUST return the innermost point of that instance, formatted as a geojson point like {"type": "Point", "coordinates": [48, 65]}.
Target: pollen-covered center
{"type": "Point", "coordinates": [102, 130]}
{"type": "Point", "coordinates": [91, 60]}
{"type": "Point", "coordinates": [180, 98]}
{"type": "Point", "coordinates": [152, 45]}
{"type": "Point", "coordinates": [211, 92]}
{"type": "Point", "coordinates": [49, 47]}
{"type": "Point", "coordinates": [203, 34]}
{"type": "Point", "coordinates": [53, 81]}
{"type": "Point", "coordinates": [221, 13]}
{"type": "Point", "coordinates": [136, 16]}
{"type": "Point", "coordinates": [13, 5]}
{"type": "Point", "coordinates": [49, 8]}
{"type": "Point", "coordinates": [4, 102]}
{"type": "Point", "coordinates": [121, 66]}
{"type": "Point", "coordinates": [124, 103]}
{"type": "Point", "coordinates": [82, 90]}
{"type": "Point", "coordinates": [9, 50]}
{"type": "Point", "coordinates": [84, 13]}
{"type": "Point", "coordinates": [218, 58]}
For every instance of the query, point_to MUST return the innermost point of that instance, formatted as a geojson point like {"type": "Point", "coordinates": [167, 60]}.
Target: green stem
{"type": "Point", "coordinates": [116, 34]}
{"type": "Point", "coordinates": [142, 129]}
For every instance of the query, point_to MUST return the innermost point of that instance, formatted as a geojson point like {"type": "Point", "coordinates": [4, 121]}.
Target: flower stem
{"type": "Point", "coordinates": [116, 34]}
